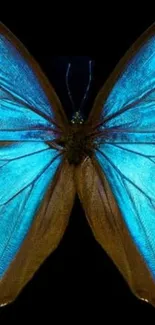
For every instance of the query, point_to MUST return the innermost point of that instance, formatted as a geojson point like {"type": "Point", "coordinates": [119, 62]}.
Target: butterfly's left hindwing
{"type": "Point", "coordinates": [32, 173]}
{"type": "Point", "coordinates": [34, 235]}
{"type": "Point", "coordinates": [26, 170]}
{"type": "Point", "coordinates": [123, 119]}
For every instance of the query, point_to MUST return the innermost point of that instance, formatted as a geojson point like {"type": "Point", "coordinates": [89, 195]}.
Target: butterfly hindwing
{"type": "Point", "coordinates": [42, 230]}
{"type": "Point", "coordinates": [26, 171]}
{"type": "Point", "coordinates": [109, 228]}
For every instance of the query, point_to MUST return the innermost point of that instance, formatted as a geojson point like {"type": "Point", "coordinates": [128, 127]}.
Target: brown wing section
{"type": "Point", "coordinates": [59, 115]}
{"type": "Point", "coordinates": [44, 235]}
{"type": "Point", "coordinates": [110, 231]}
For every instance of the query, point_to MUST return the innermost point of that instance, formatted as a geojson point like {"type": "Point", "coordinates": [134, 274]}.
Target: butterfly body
{"type": "Point", "coordinates": [108, 160]}
{"type": "Point", "coordinates": [77, 143]}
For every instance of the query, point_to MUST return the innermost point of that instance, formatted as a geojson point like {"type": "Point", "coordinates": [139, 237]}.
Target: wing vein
{"type": "Point", "coordinates": [35, 179]}
{"type": "Point", "coordinates": [31, 108]}
{"type": "Point", "coordinates": [134, 152]}
{"type": "Point", "coordinates": [18, 218]}
{"type": "Point", "coordinates": [125, 177]}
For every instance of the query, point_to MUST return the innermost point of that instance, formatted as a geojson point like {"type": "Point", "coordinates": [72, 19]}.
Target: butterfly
{"type": "Point", "coordinates": [108, 160]}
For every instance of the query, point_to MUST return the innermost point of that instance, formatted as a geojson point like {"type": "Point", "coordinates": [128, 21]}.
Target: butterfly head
{"type": "Point", "coordinates": [77, 143]}
{"type": "Point", "coordinates": [77, 118]}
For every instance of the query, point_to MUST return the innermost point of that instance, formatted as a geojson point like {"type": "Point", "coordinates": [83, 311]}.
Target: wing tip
{"type": "Point", "coordinates": [146, 297]}
{"type": "Point", "coordinates": [4, 304]}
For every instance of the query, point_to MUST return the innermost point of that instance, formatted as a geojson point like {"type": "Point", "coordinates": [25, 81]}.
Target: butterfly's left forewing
{"type": "Point", "coordinates": [123, 121]}
{"type": "Point", "coordinates": [34, 208]}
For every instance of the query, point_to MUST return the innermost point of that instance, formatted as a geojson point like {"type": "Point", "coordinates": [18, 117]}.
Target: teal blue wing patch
{"type": "Point", "coordinates": [130, 173]}
{"type": "Point", "coordinates": [126, 151]}
{"type": "Point", "coordinates": [26, 170]}
{"type": "Point", "coordinates": [26, 113]}
{"type": "Point", "coordinates": [29, 118]}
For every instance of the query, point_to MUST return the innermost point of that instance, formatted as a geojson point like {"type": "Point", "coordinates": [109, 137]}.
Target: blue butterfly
{"type": "Point", "coordinates": [109, 160]}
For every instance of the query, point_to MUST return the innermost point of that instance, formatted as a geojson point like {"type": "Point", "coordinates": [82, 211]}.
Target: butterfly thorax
{"type": "Point", "coordinates": [77, 143]}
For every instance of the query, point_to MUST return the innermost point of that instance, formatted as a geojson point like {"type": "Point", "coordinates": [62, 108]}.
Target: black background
{"type": "Point", "coordinates": [78, 279]}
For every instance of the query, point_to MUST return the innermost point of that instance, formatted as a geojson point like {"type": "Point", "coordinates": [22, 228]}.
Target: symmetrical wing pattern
{"type": "Point", "coordinates": [116, 185]}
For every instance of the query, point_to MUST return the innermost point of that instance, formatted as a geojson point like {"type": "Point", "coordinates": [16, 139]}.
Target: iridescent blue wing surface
{"type": "Point", "coordinates": [28, 104]}
{"type": "Point", "coordinates": [32, 168]}
{"type": "Point", "coordinates": [123, 120]}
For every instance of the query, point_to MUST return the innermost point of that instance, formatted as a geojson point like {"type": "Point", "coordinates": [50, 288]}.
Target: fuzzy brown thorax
{"type": "Point", "coordinates": [77, 143]}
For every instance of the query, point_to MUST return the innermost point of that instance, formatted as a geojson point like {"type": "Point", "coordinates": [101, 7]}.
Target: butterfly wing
{"type": "Point", "coordinates": [110, 230]}
{"type": "Point", "coordinates": [32, 221]}
{"type": "Point", "coordinates": [28, 104]}
{"type": "Point", "coordinates": [34, 216]}
{"type": "Point", "coordinates": [124, 167]}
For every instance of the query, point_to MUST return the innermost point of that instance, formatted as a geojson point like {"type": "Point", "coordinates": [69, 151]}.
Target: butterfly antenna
{"type": "Point", "coordinates": [88, 86]}
{"type": "Point", "coordinates": [68, 89]}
